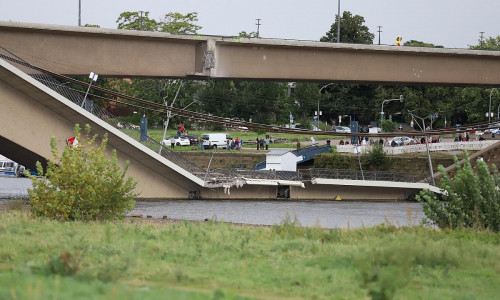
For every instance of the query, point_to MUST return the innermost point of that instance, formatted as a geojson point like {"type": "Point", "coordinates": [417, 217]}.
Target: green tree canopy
{"type": "Point", "coordinates": [491, 43]}
{"type": "Point", "coordinates": [352, 30]}
{"type": "Point", "coordinates": [178, 23]}
{"type": "Point", "coordinates": [414, 43]}
{"type": "Point", "coordinates": [172, 22]}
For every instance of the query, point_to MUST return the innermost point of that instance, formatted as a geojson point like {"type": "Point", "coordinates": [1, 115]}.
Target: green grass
{"type": "Point", "coordinates": [42, 259]}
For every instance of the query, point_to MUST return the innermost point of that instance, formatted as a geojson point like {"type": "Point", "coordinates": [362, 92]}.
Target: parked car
{"type": "Point", "coordinates": [193, 139]}
{"type": "Point", "coordinates": [400, 141]}
{"type": "Point", "coordinates": [342, 129]}
{"type": "Point", "coordinates": [179, 141]}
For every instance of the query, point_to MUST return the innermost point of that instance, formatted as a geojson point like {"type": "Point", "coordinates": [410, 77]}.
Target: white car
{"type": "Point", "coordinates": [400, 141]}
{"type": "Point", "coordinates": [342, 129]}
{"type": "Point", "coordinates": [179, 141]}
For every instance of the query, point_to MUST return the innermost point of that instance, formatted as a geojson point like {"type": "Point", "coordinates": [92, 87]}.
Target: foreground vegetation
{"type": "Point", "coordinates": [44, 259]}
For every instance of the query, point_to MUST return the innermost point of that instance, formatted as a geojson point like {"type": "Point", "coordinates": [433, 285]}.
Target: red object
{"type": "Point", "coordinates": [72, 141]}
{"type": "Point", "coordinates": [182, 128]}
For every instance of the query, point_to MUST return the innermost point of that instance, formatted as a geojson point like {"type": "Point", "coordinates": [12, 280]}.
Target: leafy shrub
{"type": "Point", "coordinates": [388, 126]}
{"type": "Point", "coordinates": [471, 200]}
{"type": "Point", "coordinates": [376, 159]}
{"type": "Point", "coordinates": [82, 183]}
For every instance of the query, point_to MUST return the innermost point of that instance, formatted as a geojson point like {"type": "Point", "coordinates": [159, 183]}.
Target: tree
{"type": "Point", "coordinates": [172, 22]}
{"type": "Point", "coordinates": [471, 200]}
{"type": "Point", "coordinates": [82, 183]}
{"type": "Point", "coordinates": [352, 30]}
{"type": "Point", "coordinates": [414, 43]}
{"type": "Point", "coordinates": [244, 34]}
{"type": "Point", "coordinates": [178, 23]}
{"type": "Point", "coordinates": [490, 43]}
{"type": "Point", "coordinates": [133, 20]}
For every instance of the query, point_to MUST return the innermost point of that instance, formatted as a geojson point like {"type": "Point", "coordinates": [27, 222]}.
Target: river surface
{"type": "Point", "coordinates": [327, 214]}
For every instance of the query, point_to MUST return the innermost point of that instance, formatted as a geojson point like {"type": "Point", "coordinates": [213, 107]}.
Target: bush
{"type": "Point", "coordinates": [471, 200]}
{"type": "Point", "coordinates": [388, 126]}
{"type": "Point", "coordinates": [82, 184]}
{"type": "Point", "coordinates": [376, 159]}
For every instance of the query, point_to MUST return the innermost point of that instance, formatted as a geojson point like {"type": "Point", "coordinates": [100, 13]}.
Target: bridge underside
{"type": "Point", "coordinates": [119, 53]}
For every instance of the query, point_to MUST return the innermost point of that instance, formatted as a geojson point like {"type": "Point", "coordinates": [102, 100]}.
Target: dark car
{"type": "Point", "coordinates": [193, 139]}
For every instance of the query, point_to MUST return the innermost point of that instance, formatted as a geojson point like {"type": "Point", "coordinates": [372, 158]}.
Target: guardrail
{"type": "Point", "coordinates": [434, 147]}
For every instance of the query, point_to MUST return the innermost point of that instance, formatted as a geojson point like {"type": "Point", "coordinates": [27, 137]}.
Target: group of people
{"type": "Point", "coordinates": [263, 142]}
{"type": "Point", "coordinates": [235, 144]}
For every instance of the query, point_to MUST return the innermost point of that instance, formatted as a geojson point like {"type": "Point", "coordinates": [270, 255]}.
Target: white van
{"type": "Point", "coordinates": [215, 140]}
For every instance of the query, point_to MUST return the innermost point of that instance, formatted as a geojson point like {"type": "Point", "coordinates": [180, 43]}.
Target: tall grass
{"type": "Point", "coordinates": [42, 259]}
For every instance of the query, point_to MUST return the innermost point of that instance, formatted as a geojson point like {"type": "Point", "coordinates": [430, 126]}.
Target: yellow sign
{"type": "Point", "coordinates": [338, 198]}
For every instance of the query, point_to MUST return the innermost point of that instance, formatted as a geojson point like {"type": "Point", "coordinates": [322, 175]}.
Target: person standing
{"type": "Point", "coordinates": [261, 143]}
{"type": "Point", "coordinates": [172, 142]}
{"type": "Point", "coordinates": [267, 142]}
{"type": "Point", "coordinates": [257, 143]}
{"type": "Point", "coordinates": [298, 144]}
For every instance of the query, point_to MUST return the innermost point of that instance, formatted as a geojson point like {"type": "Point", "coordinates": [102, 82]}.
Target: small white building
{"type": "Point", "coordinates": [282, 160]}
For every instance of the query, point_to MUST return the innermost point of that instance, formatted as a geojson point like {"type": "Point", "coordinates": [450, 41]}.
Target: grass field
{"type": "Point", "coordinates": [42, 259]}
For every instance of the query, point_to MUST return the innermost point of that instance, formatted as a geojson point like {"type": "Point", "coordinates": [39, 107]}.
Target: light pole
{"type": "Point", "coordinates": [320, 98]}
{"type": "Point", "coordinates": [350, 118]}
{"type": "Point", "coordinates": [169, 114]}
{"type": "Point", "coordinates": [379, 31]}
{"type": "Point", "coordinates": [93, 77]}
{"type": "Point", "coordinates": [401, 99]}
{"type": "Point", "coordinates": [489, 107]}
{"type": "Point", "coordinates": [79, 13]}
{"type": "Point", "coordinates": [338, 24]}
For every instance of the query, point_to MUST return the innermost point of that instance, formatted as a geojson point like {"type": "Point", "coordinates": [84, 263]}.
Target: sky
{"type": "Point", "coordinates": [450, 23]}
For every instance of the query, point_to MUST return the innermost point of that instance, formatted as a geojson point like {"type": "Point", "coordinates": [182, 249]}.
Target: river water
{"type": "Point", "coordinates": [327, 214]}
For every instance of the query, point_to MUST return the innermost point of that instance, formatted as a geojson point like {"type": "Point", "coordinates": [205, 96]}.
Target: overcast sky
{"type": "Point", "coordinates": [451, 23]}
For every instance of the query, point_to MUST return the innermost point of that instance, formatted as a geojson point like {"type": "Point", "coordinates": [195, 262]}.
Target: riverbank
{"type": "Point", "coordinates": [42, 259]}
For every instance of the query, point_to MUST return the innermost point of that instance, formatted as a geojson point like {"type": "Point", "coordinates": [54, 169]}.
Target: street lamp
{"type": "Point", "coordinates": [318, 113]}
{"type": "Point", "coordinates": [401, 99]}
{"type": "Point", "coordinates": [489, 107]}
{"type": "Point", "coordinates": [93, 77]}
{"type": "Point", "coordinates": [350, 117]}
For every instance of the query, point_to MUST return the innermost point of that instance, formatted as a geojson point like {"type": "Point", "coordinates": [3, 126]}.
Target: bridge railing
{"type": "Point", "coordinates": [365, 175]}
{"type": "Point", "coordinates": [433, 147]}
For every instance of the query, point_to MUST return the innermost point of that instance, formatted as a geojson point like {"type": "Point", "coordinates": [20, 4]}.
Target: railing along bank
{"type": "Point", "coordinates": [447, 146]}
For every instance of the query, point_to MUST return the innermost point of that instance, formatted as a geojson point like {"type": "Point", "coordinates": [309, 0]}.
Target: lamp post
{"type": "Point", "coordinates": [489, 107]}
{"type": "Point", "coordinates": [338, 24]}
{"type": "Point", "coordinates": [93, 77]}
{"type": "Point", "coordinates": [320, 98]}
{"type": "Point", "coordinates": [401, 99]}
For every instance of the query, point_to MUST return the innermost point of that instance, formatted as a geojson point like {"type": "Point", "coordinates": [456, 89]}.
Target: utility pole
{"type": "Point", "coordinates": [379, 31]}
{"type": "Point", "coordinates": [79, 13]}
{"type": "Point", "coordinates": [481, 36]}
{"type": "Point", "coordinates": [141, 19]}
{"type": "Point", "coordinates": [258, 26]}
{"type": "Point", "coordinates": [338, 24]}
